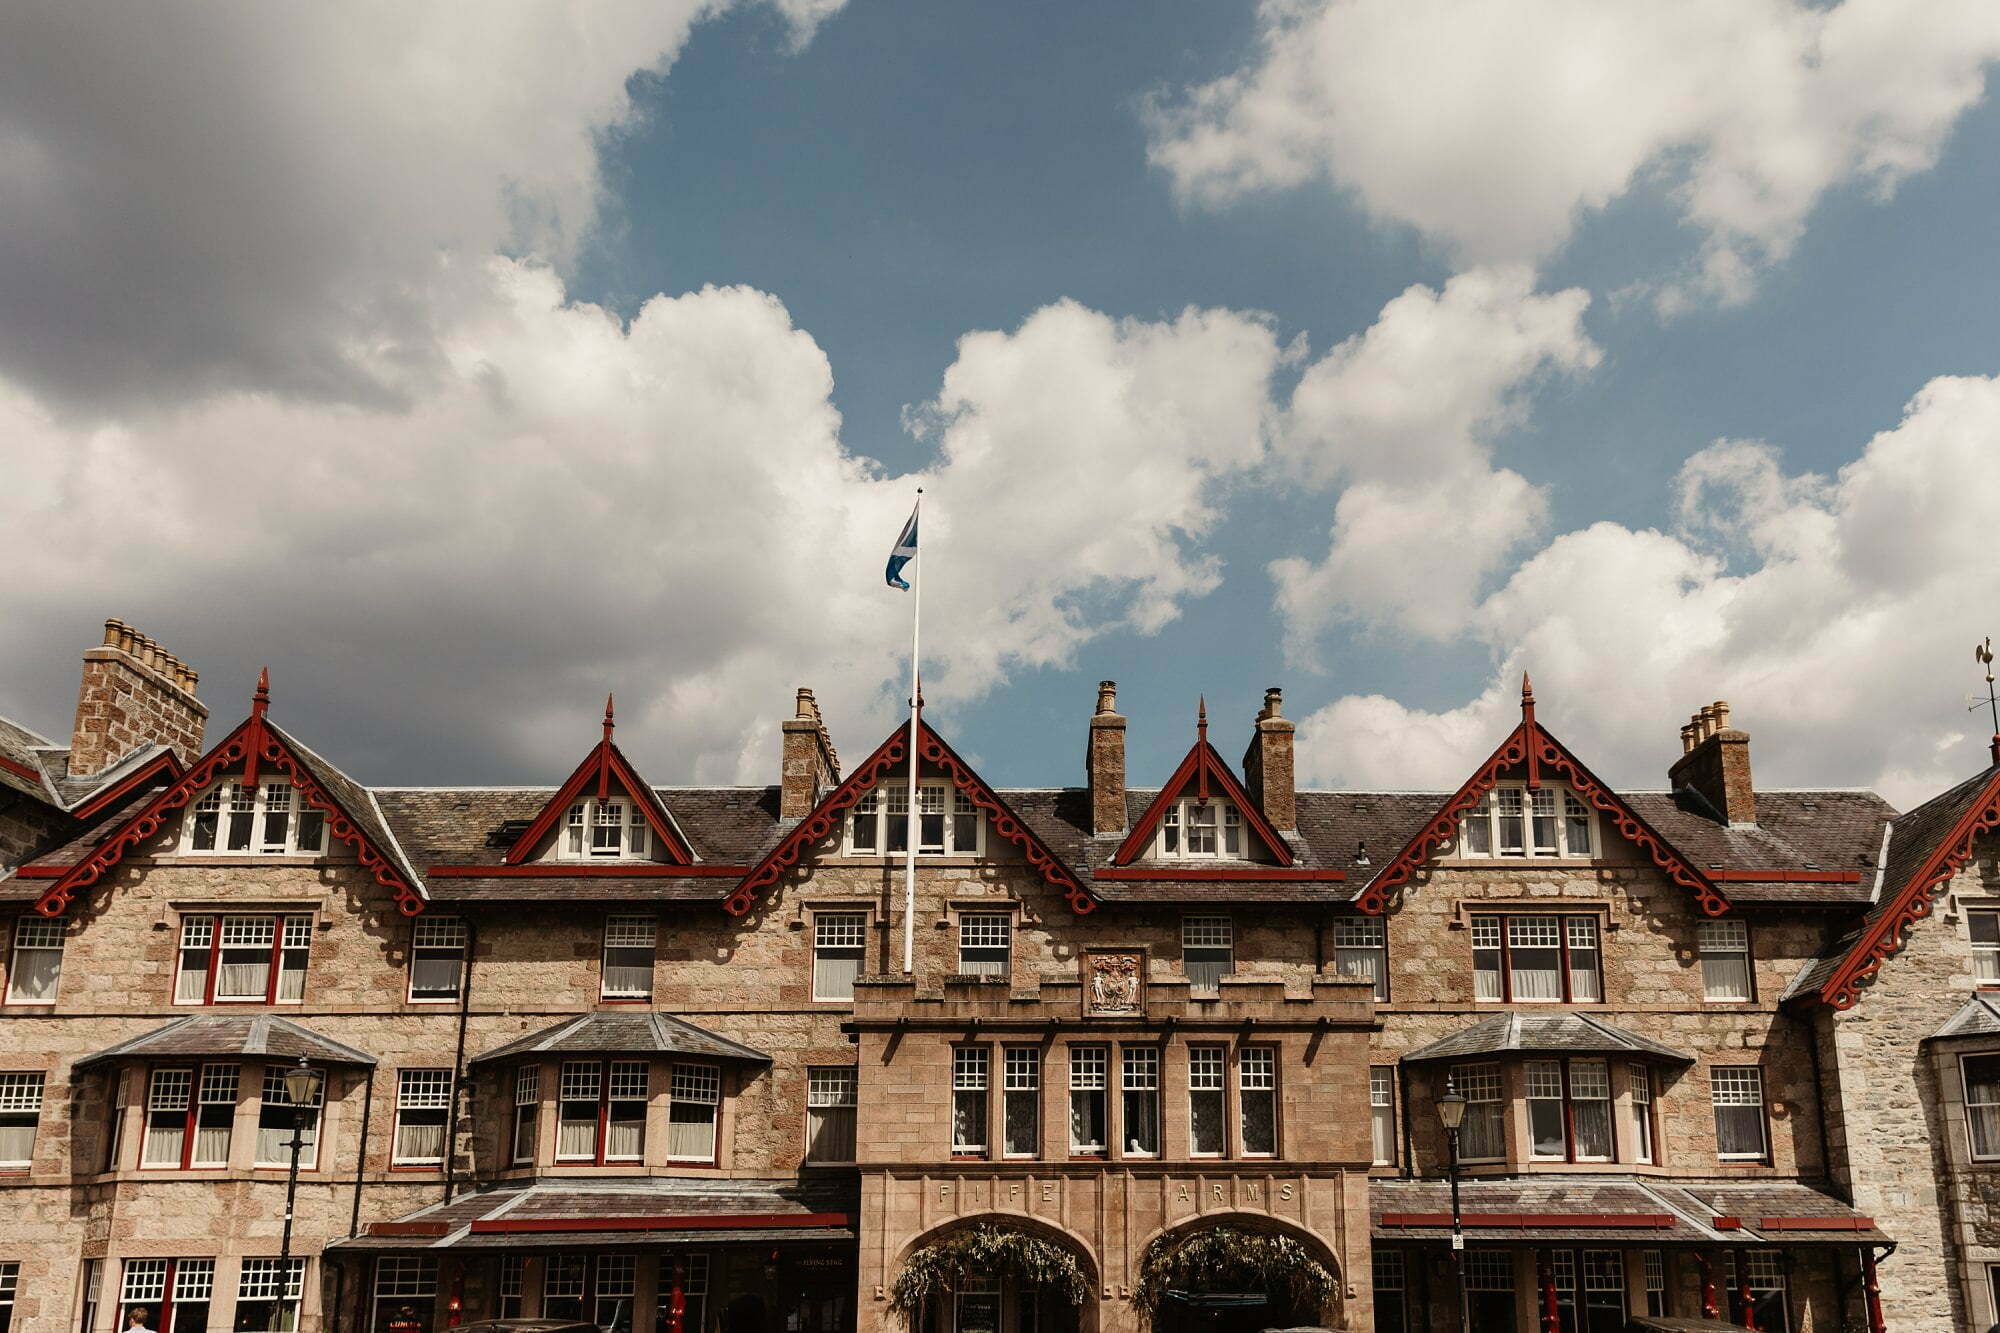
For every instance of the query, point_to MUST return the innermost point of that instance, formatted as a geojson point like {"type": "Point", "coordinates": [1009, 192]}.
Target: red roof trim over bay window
{"type": "Point", "coordinates": [603, 766]}
{"type": "Point", "coordinates": [1204, 769]}
{"type": "Point", "coordinates": [825, 819]}
{"type": "Point", "coordinates": [163, 766]}
{"type": "Point", "coordinates": [1529, 746]}
{"type": "Point", "coordinates": [252, 744]}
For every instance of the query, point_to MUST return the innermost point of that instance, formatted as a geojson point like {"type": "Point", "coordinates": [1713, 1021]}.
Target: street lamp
{"type": "Point", "coordinates": [302, 1083]}
{"type": "Point", "coordinates": [1451, 1110]}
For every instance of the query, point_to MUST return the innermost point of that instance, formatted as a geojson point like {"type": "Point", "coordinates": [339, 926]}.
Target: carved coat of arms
{"type": "Point", "coordinates": [1112, 984]}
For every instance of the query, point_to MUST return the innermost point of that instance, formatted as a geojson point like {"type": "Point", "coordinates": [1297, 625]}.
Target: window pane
{"type": "Point", "coordinates": [1382, 1114]}
{"type": "Point", "coordinates": [1982, 1103]}
{"type": "Point", "coordinates": [1546, 1134]}
{"type": "Point", "coordinates": [1534, 943]}
{"type": "Point", "coordinates": [1206, 1131]}
{"type": "Point", "coordinates": [1486, 958]}
{"type": "Point", "coordinates": [830, 1097]}
{"type": "Point", "coordinates": [1139, 1077]}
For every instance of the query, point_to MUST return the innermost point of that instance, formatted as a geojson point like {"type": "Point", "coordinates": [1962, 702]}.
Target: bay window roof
{"type": "Point", "coordinates": [625, 1034]}
{"type": "Point", "coordinates": [1560, 1034]}
{"type": "Point", "coordinates": [262, 1036]}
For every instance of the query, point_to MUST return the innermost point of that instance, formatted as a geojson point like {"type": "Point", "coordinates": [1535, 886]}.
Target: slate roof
{"type": "Point", "coordinates": [257, 1036]}
{"type": "Point", "coordinates": [1913, 837]}
{"type": "Point", "coordinates": [547, 1212]}
{"type": "Point", "coordinates": [1978, 1017]}
{"type": "Point", "coordinates": [357, 801]}
{"type": "Point", "coordinates": [20, 746]}
{"type": "Point", "coordinates": [1578, 1034]}
{"type": "Point", "coordinates": [1689, 1211]}
{"type": "Point", "coordinates": [625, 1034]}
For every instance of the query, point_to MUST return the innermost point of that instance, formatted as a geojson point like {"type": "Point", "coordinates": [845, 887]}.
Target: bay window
{"type": "Point", "coordinates": [1482, 1135]}
{"type": "Point", "coordinates": [276, 1115]}
{"type": "Point", "coordinates": [1547, 1136]}
{"type": "Point", "coordinates": [437, 957]}
{"type": "Point", "coordinates": [271, 819]}
{"type": "Point", "coordinates": [423, 1109]}
{"type": "Point", "coordinates": [1191, 828]}
{"type": "Point", "coordinates": [1382, 1113]}
{"type": "Point", "coordinates": [830, 1102]}
{"type": "Point", "coordinates": [238, 959]}
{"type": "Point", "coordinates": [1590, 1110]}
{"type": "Point", "coordinates": [580, 1091]}
{"type": "Point", "coordinates": [968, 1101]}
{"type": "Point", "coordinates": [36, 970]}
{"type": "Point", "coordinates": [695, 1099]}
{"type": "Point", "coordinates": [626, 1093]}
{"type": "Point", "coordinates": [1139, 1081]}
{"type": "Point", "coordinates": [985, 944]}
{"type": "Point", "coordinates": [267, 1294]}
{"type": "Point", "coordinates": [1361, 951]}
{"type": "Point", "coordinates": [189, 1118]}
{"type": "Point", "coordinates": [1207, 1097]}
{"type": "Point", "coordinates": [1639, 1084]}
{"type": "Point", "coordinates": [607, 829]}
{"type": "Point", "coordinates": [1088, 1087]}
{"type": "Point", "coordinates": [1569, 1110]}
{"type": "Point", "coordinates": [839, 947]}
{"type": "Point", "coordinates": [527, 1112]}
{"type": "Point", "coordinates": [1737, 1094]}
{"type": "Point", "coordinates": [948, 823]}
{"type": "Point", "coordinates": [1725, 960]}
{"type": "Point", "coordinates": [1982, 1104]}
{"type": "Point", "coordinates": [1021, 1096]}
{"type": "Point", "coordinates": [1257, 1095]}
{"type": "Point", "coordinates": [1537, 959]}
{"type": "Point", "coordinates": [1208, 953]}
{"type": "Point", "coordinates": [20, 1114]}
{"type": "Point", "coordinates": [167, 1295]}
{"type": "Point", "coordinates": [629, 946]}
{"type": "Point", "coordinates": [1511, 820]}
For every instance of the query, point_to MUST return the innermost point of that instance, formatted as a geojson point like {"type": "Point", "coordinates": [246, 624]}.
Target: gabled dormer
{"type": "Point", "coordinates": [605, 814]}
{"type": "Point", "coordinates": [1203, 816]}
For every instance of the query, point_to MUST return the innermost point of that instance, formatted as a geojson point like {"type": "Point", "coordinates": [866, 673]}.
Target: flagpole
{"type": "Point", "coordinates": [916, 708]}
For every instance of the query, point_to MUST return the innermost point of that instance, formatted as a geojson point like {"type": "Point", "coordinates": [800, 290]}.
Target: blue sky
{"type": "Point", "coordinates": [1581, 324]}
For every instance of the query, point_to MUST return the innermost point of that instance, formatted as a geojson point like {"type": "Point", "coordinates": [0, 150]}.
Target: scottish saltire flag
{"type": "Point", "coordinates": [905, 552]}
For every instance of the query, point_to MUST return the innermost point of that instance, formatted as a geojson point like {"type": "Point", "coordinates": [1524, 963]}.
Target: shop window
{"type": "Point", "coordinates": [684, 1291]}
{"type": "Point", "coordinates": [93, 1293]}
{"type": "Point", "coordinates": [1207, 1096]}
{"type": "Point", "coordinates": [1382, 1113]}
{"type": "Point", "coordinates": [268, 1293]}
{"type": "Point", "coordinates": [20, 1114]}
{"type": "Point", "coordinates": [513, 1285]}
{"type": "Point", "coordinates": [1021, 1097]}
{"type": "Point", "coordinates": [1088, 1088]}
{"type": "Point", "coordinates": [1537, 959]}
{"type": "Point", "coordinates": [1738, 1097]}
{"type": "Point", "coordinates": [1764, 1276]}
{"type": "Point", "coordinates": [276, 1116]}
{"type": "Point", "coordinates": [1392, 1302]}
{"type": "Point", "coordinates": [617, 1282]}
{"type": "Point", "coordinates": [839, 945]}
{"type": "Point", "coordinates": [423, 1108]}
{"type": "Point", "coordinates": [405, 1293]}
{"type": "Point", "coordinates": [1725, 960]}
{"type": "Point", "coordinates": [1139, 1104]}
{"type": "Point", "coordinates": [36, 971]}
{"type": "Point", "coordinates": [437, 957]}
{"type": "Point", "coordinates": [564, 1278]}
{"type": "Point", "coordinates": [1655, 1264]}
{"type": "Point", "coordinates": [968, 1101]}
{"type": "Point", "coordinates": [10, 1284]}
{"type": "Point", "coordinates": [629, 944]}
{"type": "Point", "coordinates": [830, 1103]}
{"type": "Point", "coordinates": [1361, 951]}
{"type": "Point", "coordinates": [985, 944]}
{"type": "Point", "coordinates": [1603, 1291]}
{"type": "Point", "coordinates": [1489, 1288]}
{"type": "Point", "coordinates": [694, 1102]}
{"type": "Point", "coordinates": [1208, 953]}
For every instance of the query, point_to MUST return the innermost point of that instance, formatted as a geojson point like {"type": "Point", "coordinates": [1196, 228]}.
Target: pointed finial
{"type": "Point", "coordinates": [608, 723]}
{"type": "Point", "coordinates": [1201, 719]}
{"type": "Point", "coordinates": [1527, 691]}
{"type": "Point", "coordinates": [262, 699]}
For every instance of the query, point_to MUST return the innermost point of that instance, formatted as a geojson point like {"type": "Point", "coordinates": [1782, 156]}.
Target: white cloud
{"type": "Point", "coordinates": [1831, 612]}
{"type": "Point", "coordinates": [666, 510]}
{"type": "Point", "coordinates": [1405, 413]}
{"type": "Point", "coordinates": [1496, 127]}
{"type": "Point", "coordinates": [234, 196]}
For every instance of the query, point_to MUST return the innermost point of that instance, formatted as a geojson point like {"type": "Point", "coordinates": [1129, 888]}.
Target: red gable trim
{"type": "Point", "coordinates": [21, 770]}
{"type": "Point", "coordinates": [825, 819]}
{"type": "Point", "coordinates": [166, 764]}
{"type": "Point", "coordinates": [1203, 767]}
{"type": "Point", "coordinates": [1530, 745]}
{"type": "Point", "coordinates": [1912, 901]}
{"type": "Point", "coordinates": [602, 766]}
{"type": "Point", "coordinates": [250, 744]}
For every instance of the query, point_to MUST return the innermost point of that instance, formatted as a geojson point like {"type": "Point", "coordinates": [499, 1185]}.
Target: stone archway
{"type": "Point", "coordinates": [988, 1295]}
{"type": "Point", "coordinates": [1242, 1279]}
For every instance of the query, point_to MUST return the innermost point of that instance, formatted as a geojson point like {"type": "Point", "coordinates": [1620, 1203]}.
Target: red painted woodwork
{"type": "Point", "coordinates": [41, 872]}
{"type": "Point", "coordinates": [1785, 876]}
{"type": "Point", "coordinates": [1206, 770]}
{"type": "Point", "coordinates": [1531, 747]}
{"type": "Point", "coordinates": [1911, 902]}
{"type": "Point", "coordinates": [166, 766]}
{"type": "Point", "coordinates": [408, 1228]}
{"type": "Point", "coordinates": [1745, 1301]}
{"type": "Point", "coordinates": [1517, 1221]}
{"type": "Point", "coordinates": [1815, 1224]}
{"type": "Point", "coordinates": [825, 820]}
{"type": "Point", "coordinates": [602, 766]}
{"type": "Point", "coordinates": [1726, 1223]}
{"type": "Point", "coordinates": [252, 743]}
{"type": "Point", "coordinates": [588, 870]}
{"type": "Point", "coordinates": [1709, 1309]}
{"type": "Point", "coordinates": [20, 770]}
{"type": "Point", "coordinates": [1551, 1311]}
{"type": "Point", "coordinates": [1872, 1286]}
{"type": "Point", "coordinates": [1234, 874]}
{"type": "Point", "coordinates": [697, 1222]}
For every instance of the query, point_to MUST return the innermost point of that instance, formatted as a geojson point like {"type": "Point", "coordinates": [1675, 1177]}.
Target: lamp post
{"type": "Point", "coordinates": [302, 1084]}
{"type": "Point", "coordinates": [1451, 1110]}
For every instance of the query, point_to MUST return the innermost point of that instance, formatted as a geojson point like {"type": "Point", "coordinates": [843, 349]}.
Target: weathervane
{"type": "Point", "coordinates": [1982, 653]}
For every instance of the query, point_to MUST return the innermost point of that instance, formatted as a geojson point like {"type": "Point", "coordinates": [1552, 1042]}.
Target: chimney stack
{"type": "Point", "coordinates": [811, 763]}
{"type": "Point", "coordinates": [1267, 764]}
{"type": "Point", "coordinates": [1104, 762]}
{"type": "Point", "coordinates": [134, 693]}
{"type": "Point", "coordinates": [1715, 762]}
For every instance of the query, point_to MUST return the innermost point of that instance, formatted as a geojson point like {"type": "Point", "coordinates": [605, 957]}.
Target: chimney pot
{"type": "Point", "coordinates": [1715, 761]}
{"type": "Point", "coordinates": [1274, 703]}
{"type": "Point", "coordinates": [1107, 697]}
{"type": "Point", "coordinates": [810, 763]}
{"type": "Point", "coordinates": [1269, 767]}
{"type": "Point", "coordinates": [133, 693]}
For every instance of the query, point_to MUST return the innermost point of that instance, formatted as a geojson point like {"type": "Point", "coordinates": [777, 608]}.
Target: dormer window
{"type": "Point", "coordinates": [1512, 820]}
{"type": "Point", "coordinates": [1193, 829]}
{"type": "Point", "coordinates": [270, 819]}
{"type": "Point", "coordinates": [609, 828]}
{"type": "Point", "coordinates": [948, 823]}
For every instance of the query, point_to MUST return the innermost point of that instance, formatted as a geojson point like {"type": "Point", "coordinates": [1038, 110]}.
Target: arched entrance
{"type": "Point", "coordinates": [1237, 1273]}
{"type": "Point", "coordinates": [996, 1273]}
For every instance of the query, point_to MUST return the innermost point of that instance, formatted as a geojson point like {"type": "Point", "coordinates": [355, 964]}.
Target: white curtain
{"type": "Point", "coordinates": [419, 1143]}
{"type": "Point", "coordinates": [163, 1143]}
{"type": "Point", "coordinates": [625, 980]}
{"type": "Point", "coordinates": [834, 975]}
{"type": "Point", "coordinates": [692, 1140]}
{"type": "Point", "coordinates": [576, 1138]}
{"type": "Point", "coordinates": [240, 979]}
{"type": "Point", "coordinates": [431, 976]}
{"type": "Point", "coordinates": [211, 1145]}
{"type": "Point", "coordinates": [193, 987]}
{"type": "Point", "coordinates": [830, 1133]}
{"type": "Point", "coordinates": [626, 1139]}
{"type": "Point", "coordinates": [17, 1143]}
{"type": "Point", "coordinates": [1537, 974]}
{"type": "Point", "coordinates": [1725, 977]}
{"type": "Point", "coordinates": [36, 972]}
{"type": "Point", "coordinates": [1483, 1133]}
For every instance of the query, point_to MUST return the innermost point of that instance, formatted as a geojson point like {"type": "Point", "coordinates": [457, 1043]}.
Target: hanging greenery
{"type": "Point", "coordinates": [984, 1251]}
{"type": "Point", "coordinates": [1225, 1258]}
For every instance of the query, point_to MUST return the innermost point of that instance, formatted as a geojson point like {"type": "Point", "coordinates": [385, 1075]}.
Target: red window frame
{"type": "Point", "coordinates": [604, 1099]}
{"type": "Point", "coordinates": [272, 976]}
{"type": "Point", "coordinates": [1562, 920]}
{"type": "Point", "coordinates": [1569, 1113]}
{"type": "Point", "coordinates": [192, 1115]}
